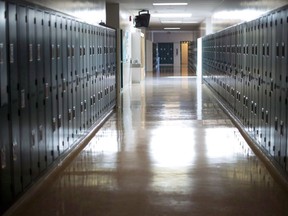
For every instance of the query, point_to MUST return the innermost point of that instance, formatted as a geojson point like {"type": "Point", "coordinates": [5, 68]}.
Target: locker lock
{"type": "Point", "coordinates": [3, 158]}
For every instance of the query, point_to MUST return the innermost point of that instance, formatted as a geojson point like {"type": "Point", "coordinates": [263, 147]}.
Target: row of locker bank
{"type": "Point", "coordinates": [57, 79]}
{"type": "Point", "coordinates": [247, 66]}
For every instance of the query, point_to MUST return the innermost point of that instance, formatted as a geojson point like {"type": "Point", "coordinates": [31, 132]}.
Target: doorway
{"type": "Point", "coordinates": [184, 58]}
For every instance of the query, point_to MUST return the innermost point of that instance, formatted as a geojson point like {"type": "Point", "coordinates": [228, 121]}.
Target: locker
{"type": "Point", "coordinates": [283, 86]}
{"type": "Point", "coordinates": [70, 136]}
{"type": "Point", "coordinates": [32, 82]}
{"type": "Point", "coordinates": [14, 102]}
{"type": "Point", "coordinates": [65, 91]}
{"type": "Point", "coordinates": [23, 66]}
{"type": "Point", "coordinates": [47, 54]}
{"type": "Point", "coordinates": [39, 58]}
{"type": "Point", "coordinates": [3, 57]}
{"type": "Point", "coordinates": [73, 78]}
{"type": "Point", "coordinates": [5, 163]}
{"type": "Point", "coordinates": [77, 77]}
{"type": "Point", "coordinates": [54, 94]}
{"type": "Point", "coordinates": [60, 84]}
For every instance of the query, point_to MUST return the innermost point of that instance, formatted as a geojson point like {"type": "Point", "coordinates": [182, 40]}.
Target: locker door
{"type": "Point", "coordinates": [23, 66]}
{"type": "Point", "coordinates": [82, 77]}
{"type": "Point", "coordinates": [261, 83]}
{"type": "Point", "coordinates": [3, 59]}
{"type": "Point", "coordinates": [274, 118]}
{"type": "Point", "coordinates": [54, 94]}
{"type": "Point", "coordinates": [40, 88]}
{"type": "Point", "coordinates": [269, 84]}
{"type": "Point", "coordinates": [92, 79]}
{"type": "Point", "coordinates": [14, 101]}
{"type": "Point", "coordinates": [5, 163]}
{"type": "Point", "coordinates": [5, 154]}
{"type": "Point", "coordinates": [47, 56]}
{"type": "Point", "coordinates": [78, 47]}
{"type": "Point", "coordinates": [98, 73]}
{"type": "Point", "coordinates": [283, 81]}
{"type": "Point", "coordinates": [70, 82]}
{"type": "Point", "coordinates": [59, 80]}
{"type": "Point", "coordinates": [65, 90]}
{"type": "Point", "coordinates": [34, 147]}
{"type": "Point", "coordinates": [74, 79]}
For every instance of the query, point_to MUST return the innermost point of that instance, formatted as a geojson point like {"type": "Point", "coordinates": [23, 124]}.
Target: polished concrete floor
{"type": "Point", "coordinates": [170, 150]}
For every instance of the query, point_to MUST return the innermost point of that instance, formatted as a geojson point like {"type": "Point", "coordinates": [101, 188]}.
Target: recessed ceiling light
{"type": "Point", "coordinates": [170, 4]}
{"type": "Point", "coordinates": [171, 15]}
{"type": "Point", "coordinates": [172, 28]}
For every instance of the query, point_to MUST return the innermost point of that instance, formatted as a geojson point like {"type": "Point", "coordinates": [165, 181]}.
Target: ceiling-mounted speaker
{"type": "Point", "coordinates": [142, 19]}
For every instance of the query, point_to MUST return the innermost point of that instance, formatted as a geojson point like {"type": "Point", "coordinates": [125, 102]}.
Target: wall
{"type": "Point", "coordinates": [91, 11]}
{"type": "Point", "coordinates": [149, 56]}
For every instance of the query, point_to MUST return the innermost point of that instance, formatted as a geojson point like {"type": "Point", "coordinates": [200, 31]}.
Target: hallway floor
{"type": "Point", "coordinates": [169, 151]}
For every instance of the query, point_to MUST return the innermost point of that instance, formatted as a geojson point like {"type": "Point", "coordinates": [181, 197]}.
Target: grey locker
{"type": "Point", "coordinates": [59, 80]}
{"type": "Point", "coordinates": [70, 129]}
{"type": "Point", "coordinates": [282, 56]}
{"type": "Point", "coordinates": [77, 77]}
{"type": "Point", "coordinates": [40, 81]}
{"type": "Point", "coordinates": [54, 94]}
{"type": "Point", "coordinates": [14, 101]}
{"type": "Point", "coordinates": [64, 83]}
{"type": "Point", "coordinates": [32, 82]}
{"type": "Point", "coordinates": [3, 57]}
{"type": "Point", "coordinates": [23, 66]}
{"type": "Point", "coordinates": [5, 163]}
{"type": "Point", "coordinates": [74, 81]}
{"type": "Point", "coordinates": [47, 53]}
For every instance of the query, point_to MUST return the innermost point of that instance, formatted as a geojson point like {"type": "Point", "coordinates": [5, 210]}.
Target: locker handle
{"type": "Point", "coordinates": [30, 52]}
{"type": "Point", "coordinates": [81, 107]}
{"type": "Point", "coordinates": [38, 52]}
{"type": "Point", "coordinates": [94, 99]}
{"type": "Point", "coordinates": [73, 51]}
{"type": "Point", "coordinates": [54, 124]}
{"type": "Point", "coordinates": [91, 101]}
{"type": "Point", "coordinates": [69, 51]}
{"type": "Point", "coordinates": [11, 54]}
{"type": "Point", "coordinates": [283, 50]}
{"type": "Point", "coordinates": [33, 141]}
{"type": "Point", "coordinates": [52, 51]}
{"type": "Point", "coordinates": [276, 123]}
{"type": "Point", "coordinates": [14, 150]}
{"type": "Point", "coordinates": [58, 51]}
{"type": "Point", "coordinates": [85, 105]}
{"type": "Point", "coordinates": [74, 112]}
{"type": "Point", "coordinates": [64, 85]}
{"type": "Point", "coordinates": [23, 98]}
{"type": "Point", "coordinates": [277, 50]}
{"type": "Point", "coordinates": [267, 116]}
{"type": "Point", "coordinates": [3, 158]}
{"type": "Point", "coordinates": [59, 121]}
{"type": "Point", "coordinates": [69, 114]}
{"type": "Point", "coordinates": [46, 90]}
{"type": "Point", "coordinates": [2, 53]}
{"type": "Point", "coordinates": [282, 128]}
{"type": "Point", "coordinates": [40, 133]}
{"type": "Point", "coordinates": [262, 114]}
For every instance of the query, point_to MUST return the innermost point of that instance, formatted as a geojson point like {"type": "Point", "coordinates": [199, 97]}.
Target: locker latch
{"type": "Point", "coordinates": [23, 98]}
{"type": "Point", "coordinates": [59, 121]}
{"type": "Point", "coordinates": [40, 133]}
{"type": "Point", "coordinates": [54, 124]}
{"type": "Point", "coordinates": [33, 138]}
{"type": "Point", "coordinates": [2, 54]}
{"type": "Point", "coordinates": [3, 157]}
{"type": "Point", "coordinates": [46, 90]}
{"type": "Point", "coordinates": [14, 150]}
{"type": "Point", "coordinates": [69, 114]}
{"type": "Point", "coordinates": [74, 112]}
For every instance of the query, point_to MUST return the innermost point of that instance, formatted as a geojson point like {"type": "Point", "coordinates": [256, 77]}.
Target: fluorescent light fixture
{"type": "Point", "coordinates": [171, 15]}
{"type": "Point", "coordinates": [170, 4]}
{"type": "Point", "coordinates": [244, 15]}
{"type": "Point", "coordinates": [172, 28]}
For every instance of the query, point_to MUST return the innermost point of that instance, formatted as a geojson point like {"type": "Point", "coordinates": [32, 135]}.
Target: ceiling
{"type": "Point", "coordinates": [200, 10]}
